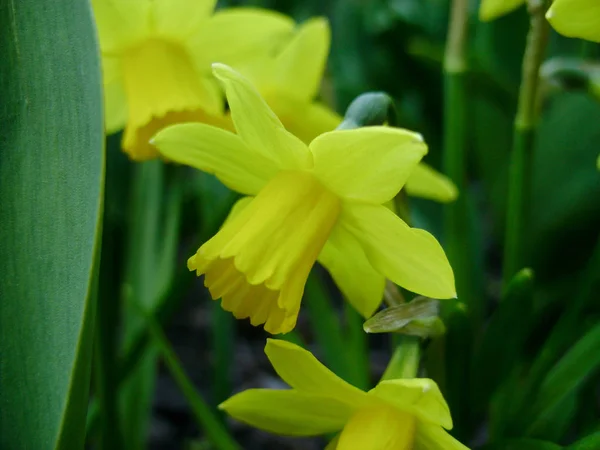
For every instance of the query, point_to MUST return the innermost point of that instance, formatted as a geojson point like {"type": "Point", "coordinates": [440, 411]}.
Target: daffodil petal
{"type": "Point", "coordinates": [180, 18]}
{"type": "Point", "coordinates": [302, 371]}
{"type": "Point", "coordinates": [300, 66]}
{"type": "Point", "coordinates": [367, 164]}
{"type": "Point", "coordinates": [427, 183]}
{"type": "Point", "coordinates": [216, 151]}
{"type": "Point", "coordinates": [492, 9]}
{"type": "Point", "coordinates": [121, 23]}
{"type": "Point", "coordinates": [115, 100]}
{"type": "Point", "coordinates": [576, 18]}
{"type": "Point", "coordinates": [418, 396]}
{"type": "Point", "coordinates": [288, 412]}
{"type": "Point", "coordinates": [349, 267]}
{"type": "Point", "coordinates": [238, 35]}
{"type": "Point", "coordinates": [434, 437]}
{"type": "Point", "coordinates": [410, 257]}
{"type": "Point", "coordinates": [257, 125]}
{"type": "Point", "coordinates": [378, 428]}
{"type": "Point", "coordinates": [304, 120]}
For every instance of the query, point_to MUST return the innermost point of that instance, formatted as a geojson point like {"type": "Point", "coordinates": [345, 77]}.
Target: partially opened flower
{"type": "Point", "coordinates": [576, 18]}
{"type": "Point", "coordinates": [289, 81]}
{"type": "Point", "coordinates": [156, 57]}
{"type": "Point", "coordinates": [399, 414]}
{"type": "Point", "coordinates": [305, 202]}
{"type": "Point", "coordinates": [492, 9]}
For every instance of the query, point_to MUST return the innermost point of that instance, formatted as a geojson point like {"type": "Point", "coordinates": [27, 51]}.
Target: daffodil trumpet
{"type": "Point", "coordinates": [156, 57]}
{"type": "Point", "coordinates": [399, 414]}
{"type": "Point", "coordinates": [305, 203]}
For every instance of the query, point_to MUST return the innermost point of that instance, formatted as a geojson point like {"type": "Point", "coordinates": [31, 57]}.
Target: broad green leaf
{"type": "Point", "coordinates": [51, 177]}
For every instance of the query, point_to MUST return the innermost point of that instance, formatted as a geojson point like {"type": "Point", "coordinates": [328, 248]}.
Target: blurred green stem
{"type": "Point", "coordinates": [519, 187]}
{"type": "Point", "coordinates": [105, 343]}
{"type": "Point", "coordinates": [207, 421]}
{"type": "Point", "coordinates": [457, 239]}
{"type": "Point", "coordinates": [455, 143]}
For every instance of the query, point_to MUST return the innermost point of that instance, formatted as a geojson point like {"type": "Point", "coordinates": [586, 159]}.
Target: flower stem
{"type": "Point", "coordinates": [515, 251]}
{"type": "Point", "coordinates": [453, 348]}
{"type": "Point", "coordinates": [455, 142]}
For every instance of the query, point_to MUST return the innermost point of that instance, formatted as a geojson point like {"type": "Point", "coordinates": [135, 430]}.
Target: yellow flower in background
{"type": "Point", "coordinates": [576, 18]}
{"type": "Point", "coordinates": [289, 81]}
{"type": "Point", "coordinates": [399, 414]}
{"type": "Point", "coordinates": [492, 9]}
{"type": "Point", "coordinates": [305, 202]}
{"type": "Point", "coordinates": [156, 57]}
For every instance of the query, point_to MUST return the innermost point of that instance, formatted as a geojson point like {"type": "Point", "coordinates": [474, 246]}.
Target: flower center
{"type": "Point", "coordinates": [269, 249]}
{"type": "Point", "coordinates": [163, 87]}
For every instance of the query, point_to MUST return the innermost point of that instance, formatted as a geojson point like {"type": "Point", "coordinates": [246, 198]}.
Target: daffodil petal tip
{"type": "Point", "coordinates": [279, 343]}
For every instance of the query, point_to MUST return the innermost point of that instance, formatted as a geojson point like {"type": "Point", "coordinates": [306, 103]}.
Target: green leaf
{"type": "Point", "coordinates": [502, 343]}
{"type": "Point", "coordinates": [582, 360]}
{"type": "Point", "coordinates": [591, 442]}
{"type": "Point", "coordinates": [51, 178]}
{"type": "Point", "coordinates": [524, 444]}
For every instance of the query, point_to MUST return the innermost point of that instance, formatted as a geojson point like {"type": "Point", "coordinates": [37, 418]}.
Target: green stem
{"type": "Point", "coordinates": [455, 143]}
{"type": "Point", "coordinates": [357, 343]}
{"type": "Point", "coordinates": [515, 251]}
{"type": "Point", "coordinates": [405, 360]}
{"type": "Point", "coordinates": [105, 352]}
{"type": "Point", "coordinates": [457, 227]}
{"type": "Point", "coordinates": [207, 421]}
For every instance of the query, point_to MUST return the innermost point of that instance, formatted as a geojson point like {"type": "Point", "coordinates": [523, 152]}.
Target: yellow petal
{"type": "Point", "coordinates": [576, 18]}
{"type": "Point", "coordinates": [180, 19]}
{"type": "Point", "coordinates": [257, 125]}
{"type": "Point", "coordinates": [260, 260]}
{"type": "Point", "coordinates": [410, 257]}
{"type": "Point", "coordinates": [121, 23]}
{"type": "Point", "coordinates": [434, 437]}
{"type": "Point", "coordinates": [288, 412]}
{"type": "Point", "coordinates": [418, 396]}
{"type": "Point", "coordinates": [219, 152]}
{"type": "Point", "coordinates": [427, 183]}
{"type": "Point", "coordinates": [367, 164]}
{"type": "Point", "coordinates": [163, 87]}
{"type": "Point", "coordinates": [349, 267]}
{"type": "Point", "coordinates": [378, 428]}
{"type": "Point", "coordinates": [304, 120]}
{"type": "Point", "coordinates": [302, 371]}
{"type": "Point", "coordinates": [299, 67]}
{"type": "Point", "coordinates": [237, 35]}
{"type": "Point", "coordinates": [492, 9]}
{"type": "Point", "coordinates": [115, 100]}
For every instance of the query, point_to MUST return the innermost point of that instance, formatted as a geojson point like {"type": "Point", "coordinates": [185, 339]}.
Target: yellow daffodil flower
{"type": "Point", "coordinates": [398, 414]}
{"type": "Point", "coordinates": [576, 18]}
{"type": "Point", "coordinates": [156, 57]}
{"type": "Point", "coordinates": [289, 81]}
{"type": "Point", "coordinates": [305, 202]}
{"type": "Point", "coordinates": [492, 9]}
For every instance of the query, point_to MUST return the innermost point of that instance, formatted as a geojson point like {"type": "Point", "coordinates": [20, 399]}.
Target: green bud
{"type": "Point", "coordinates": [371, 108]}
